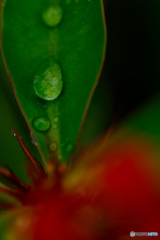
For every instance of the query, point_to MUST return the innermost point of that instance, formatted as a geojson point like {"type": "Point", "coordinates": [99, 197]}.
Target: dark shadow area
{"type": "Point", "coordinates": [133, 52]}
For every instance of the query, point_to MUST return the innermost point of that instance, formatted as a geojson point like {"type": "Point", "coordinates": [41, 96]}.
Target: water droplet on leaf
{"type": "Point", "coordinates": [69, 148]}
{"type": "Point", "coordinates": [52, 16]}
{"type": "Point", "coordinates": [13, 133]}
{"type": "Point", "coordinates": [33, 139]}
{"type": "Point", "coordinates": [53, 146]}
{"type": "Point", "coordinates": [48, 82]}
{"type": "Point", "coordinates": [56, 119]}
{"type": "Point", "coordinates": [41, 124]}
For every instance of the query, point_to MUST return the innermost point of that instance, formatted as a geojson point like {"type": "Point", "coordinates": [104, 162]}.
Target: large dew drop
{"type": "Point", "coordinates": [48, 82]}
{"type": "Point", "coordinates": [41, 124]}
{"type": "Point", "coordinates": [52, 16]}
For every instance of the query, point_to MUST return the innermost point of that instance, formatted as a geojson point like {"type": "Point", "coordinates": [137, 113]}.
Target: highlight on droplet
{"type": "Point", "coordinates": [48, 81]}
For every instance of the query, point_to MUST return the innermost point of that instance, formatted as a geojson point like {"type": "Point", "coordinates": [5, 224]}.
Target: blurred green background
{"type": "Point", "coordinates": [129, 84]}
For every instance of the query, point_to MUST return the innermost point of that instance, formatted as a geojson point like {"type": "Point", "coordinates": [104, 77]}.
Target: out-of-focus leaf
{"type": "Point", "coordinates": [146, 119]}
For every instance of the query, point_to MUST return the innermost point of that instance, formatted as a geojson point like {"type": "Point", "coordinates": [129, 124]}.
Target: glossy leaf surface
{"type": "Point", "coordinates": [75, 44]}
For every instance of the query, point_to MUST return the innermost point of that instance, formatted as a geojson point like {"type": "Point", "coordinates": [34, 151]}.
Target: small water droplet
{"type": "Point", "coordinates": [13, 133]}
{"type": "Point", "coordinates": [56, 119]}
{"type": "Point", "coordinates": [41, 124]}
{"type": "Point", "coordinates": [33, 139]}
{"type": "Point", "coordinates": [53, 146]}
{"type": "Point", "coordinates": [69, 148]}
{"type": "Point", "coordinates": [48, 82]}
{"type": "Point", "coordinates": [53, 15]}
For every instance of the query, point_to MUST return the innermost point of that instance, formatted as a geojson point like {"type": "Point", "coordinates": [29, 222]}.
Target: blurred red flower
{"type": "Point", "coordinates": [111, 190]}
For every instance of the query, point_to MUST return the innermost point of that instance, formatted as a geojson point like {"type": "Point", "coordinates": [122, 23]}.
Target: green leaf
{"type": "Point", "coordinates": [62, 43]}
{"type": "Point", "coordinates": [100, 114]}
{"type": "Point", "coordinates": [10, 150]}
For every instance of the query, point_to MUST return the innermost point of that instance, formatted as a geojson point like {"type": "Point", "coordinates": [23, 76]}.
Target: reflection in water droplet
{"type": "Point", "coordinates": [53, 146]}
{"type": "Point", "coordinates": [41, 124]}
{"type": "Point", "coordinates": [48, 82]}
{"type": "Point", "coordinates": [56, 119]}
{"type": "Point", "coordinates": [69, 148]}
{"type": "Point", "coordinates": [52, 16]}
